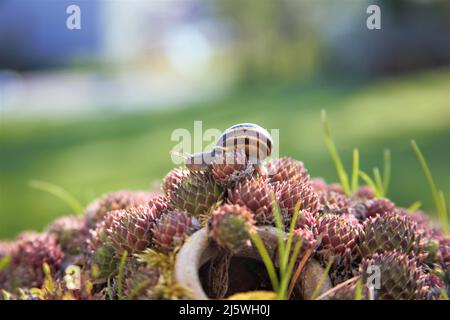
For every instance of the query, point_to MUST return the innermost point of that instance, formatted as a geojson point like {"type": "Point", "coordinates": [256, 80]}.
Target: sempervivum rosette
{"type": "Point", "coordinates": [399, 276]}
{"type": "Point", "coordinates": [284, 169]}
{"type": "Point", "coordinates": [28, 258]}
{"type": "Point", "coordinates": [335, 187]}
{"type": "Point", "coordinates": [230, 167]}
{"type": "Point", "coordinates": [423, 224]}
{"type": "Point", "coordinates": [6, 249]}
{"type": "Point", "coordinates": [444, 248]}
{"type": "Point", "coordinates": [229, 226]}
{"type": "Point", "coordinates": [305, 220]}
{"type": "Point", "coordinates": [364, 193]}
{"type": "Point", "coordinates": [430, 287]}
{"type": "Point", "coordinates": [171, 229]}
{"type": "Point", "coordinates": [255, 195]}
{"type": "Point", "coordinates": [70, 233]}
{"type": "Point", "coordinates": [318, 184]}
{"type": "Point", "coordinates": [334, 202]}
{"type": "Point", "coordinates": [173, 179]}
{"type": "Point", "coordinates": [292, 193]}
{"type": "Point", "coordinates": [197, 194]}
{"type": "Point", "coordinates": [308, 241]}
{"type": "Point", "coordinates": [390, 232]}
{"type": "Point", "coordinates": [123, 199]}
{"type": "Point", "coordinates": [138, 278]}
{"type": "Point", "coordinates": [102, 254]}
{"type": "Point", "coordinates": [131, 229]}
{"type": "Point", "coordinates": [337, 236]}
{"type": "Point", "coordinates": [380, 206]}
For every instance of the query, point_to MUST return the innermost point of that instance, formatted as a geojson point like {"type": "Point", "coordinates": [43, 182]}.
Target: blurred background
{"type": "Point", "coordinates": [92, 110]}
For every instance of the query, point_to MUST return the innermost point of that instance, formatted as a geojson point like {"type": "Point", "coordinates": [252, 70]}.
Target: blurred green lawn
{"type": "Point", "coordinates": [106, 153]}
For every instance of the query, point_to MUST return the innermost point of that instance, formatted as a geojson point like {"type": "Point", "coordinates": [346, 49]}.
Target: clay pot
{"type": "Point", "coordinates": [198, 250]}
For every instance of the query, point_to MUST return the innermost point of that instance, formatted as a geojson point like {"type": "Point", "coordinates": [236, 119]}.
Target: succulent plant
{"type": "Point", "coordinates": [138, 278]}
{"type": "Point", "coordinates": [163, 264]}
{"type": "Point", "coordinates": [255, 195]}
{"type": "Point", "coordinates": [390, 232]}
{"type": "Point", "coordinates": [423, 223]}
{"type": "Point", "coordinates": [286, 169]}
{"type": "Point", "coordinates": [131, 229]}
{"type": "Point", "coordinates": [171, 229]}
{"type": "Point", "coordinates": [291, 194]}
{"type": "Point", "coordinates": [399, 277]}
{"type": "Point", "coordinates": [337, 236]}
{"type": "Point", "coordinates": [6, 248]}
{"type": "Point", "coordinates": [230, 167]}
{"type": "Point", "coordinates": [105, 261]}
{"type": "Point", "coordinates": [359, 211]}
{"type": "Point", "coordinates": [98, 236]}
{"type": "Point", "coordinates": [123, 199]}
{"type": "Point", "coordinates": [307, 238]}
{"type": "Point", "coordinates": [102, 255]}
{"type": "Point", "coordinates": [334, 202]}
{"type": "Point", "coordinates": [335, 187]}
{"type": "Point", "coordinates": [229, 226]}
{"type": "Point", "coordinates": [70, 233]}
{"type": "Point", "coordinates": [380, 206]}
{"type": "Point", "coordinates": [160, 202]}
{"type": "Point", "coordinates": [353, 232]}
{"type": "Point", "coordinates": [29, 257]}
{"type": "Point", "coordinates": [197, 193]}
{"type": "Point", "coordinates": [305, 220]}
{"type": "Point", "coordinates": [364, 193]}
{"type": "Point", "coordinates": [173, 179]}
{"type": "Point", "coordinates": [318, 184]}
{"type": "Point", "coordinates": [430, 287]}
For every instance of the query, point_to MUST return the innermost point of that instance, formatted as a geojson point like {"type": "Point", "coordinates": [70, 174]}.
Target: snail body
{"type": "Point", "coordinates": [247, 138]}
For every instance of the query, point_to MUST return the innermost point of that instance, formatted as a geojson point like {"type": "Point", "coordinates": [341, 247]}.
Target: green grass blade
{"type": "Point", "coordinates": [444, 211]}
{"type": "Point", "coordinates": [378, 181]}
{"type": "Point", "coordinates": [415, 206]}
{"type": "Point", "coordinates": [109, 289]}
{"type": "Point", "coordinates": [440, 206]}
{"type": "Point", "coordinates": [343, 177]}
{"type": "Point", "coordinates": [321, 281]}
{"type": "Point", "coordinates": [280, 232]}
{"type": "Point", "coordinates": [291, 233]}
{"type": "Point", "coordinates": [282, 293]}
{"type": "Point", "coordinates": [120, 275]}
{"type": "Point", "coordinates": [443, 202]}
{"type": "Point", "coordinates": [266, 260]}
{"type": "Point", "coordinates": [355, 172]}
{"type": "Point", "coordinates": [444, 294]}
{"type": "Point", "coordinates": [58, 192]}
{"type": "Point", "coordinates": [359, 289]}
{"type": "Point", "coordinates": [5, 295]}
{"type": "Point", "coordinates": [386, 171]}
{"type": "Point", "coordinates": [4, 262]}
{"type": "Point", "coordinates": [370, 182]}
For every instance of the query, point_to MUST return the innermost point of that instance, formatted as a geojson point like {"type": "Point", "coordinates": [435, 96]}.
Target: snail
{"type": "Point", "coordinates": [248, 138]}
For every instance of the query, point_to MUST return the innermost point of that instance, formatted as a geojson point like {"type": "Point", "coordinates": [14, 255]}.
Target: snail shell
{"type": "Point", "coordinates": [252, 139]}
